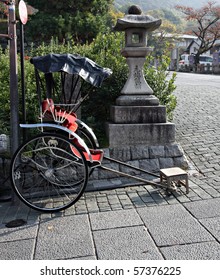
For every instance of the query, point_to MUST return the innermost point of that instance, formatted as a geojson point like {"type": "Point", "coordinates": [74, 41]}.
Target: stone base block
{"type": "Point", "coordinates": [138, 134]}
{"type": "Point", "coordinates": [149, 158]}
{"type": "Point", "coordinates": [138, 114]}
{"type": "Point", "coordinates": [137, 100]}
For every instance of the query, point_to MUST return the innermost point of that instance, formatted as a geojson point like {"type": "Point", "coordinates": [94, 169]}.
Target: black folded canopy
{"type": "Point", "coordinates": [72, 64]}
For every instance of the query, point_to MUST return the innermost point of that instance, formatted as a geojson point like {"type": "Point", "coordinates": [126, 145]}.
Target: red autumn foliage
{"type": "Point", "coordinates": [208, 24]}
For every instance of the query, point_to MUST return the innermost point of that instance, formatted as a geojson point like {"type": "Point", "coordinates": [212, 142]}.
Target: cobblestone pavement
{"type": "Point", "coordinates": [198, 129]}
{"type": "Point", "coordinates": [138, 222]}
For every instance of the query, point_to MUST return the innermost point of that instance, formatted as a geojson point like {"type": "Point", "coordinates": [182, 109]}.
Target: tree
{"type": "Point", "coordinates": [163, 38]}
{"type": "Point", "coordinates": [207, 27]}
{"type": "Point", "coordinates": [71, 19]}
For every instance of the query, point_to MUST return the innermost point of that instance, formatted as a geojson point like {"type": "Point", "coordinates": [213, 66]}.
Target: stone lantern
{"type": "Point", "coordinates": [136, 27]}
{"type": "Point", "coordinates": [138, 131]}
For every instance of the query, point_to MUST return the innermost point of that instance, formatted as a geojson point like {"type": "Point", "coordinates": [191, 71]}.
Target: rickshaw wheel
{"type": "Point", "coordinates": [49, 172]}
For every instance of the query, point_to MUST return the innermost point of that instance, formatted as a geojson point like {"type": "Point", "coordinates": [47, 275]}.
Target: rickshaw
{"type": "Point", "coordinates": [50, 171]}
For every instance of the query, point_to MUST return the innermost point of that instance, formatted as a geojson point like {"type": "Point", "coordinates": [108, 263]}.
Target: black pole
{"type": "Point", "coordinates": [14, 100]}
{"type": "Point", "coordinates": [22, 79]}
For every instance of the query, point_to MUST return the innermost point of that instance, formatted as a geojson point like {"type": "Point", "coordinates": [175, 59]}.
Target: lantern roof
{"type": "Point", "coordinates": [136, 19]}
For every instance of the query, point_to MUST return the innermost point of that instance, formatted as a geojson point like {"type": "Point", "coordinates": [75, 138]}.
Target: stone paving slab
{"type": "Point", "coordinates": [196, 251]}
{"type": "Point", "coordinates": [172, 224]}
{"type": "Point", "coordinates": [128, 243]}
{"type": "Point", "coordinates": [27, 231]}
{"type": "Point", "coordinates": [204, 209]}
{"type": "Point", "coordinates": [22, 249]}
{"type": "Point", "coordinates": [114, 219]}
{"type": "Point", "coordinates": [213, 226]}
{"type": "Point", "coordinates": [64, 238]}
{"type": "Point", "coordinates": [86, 258]}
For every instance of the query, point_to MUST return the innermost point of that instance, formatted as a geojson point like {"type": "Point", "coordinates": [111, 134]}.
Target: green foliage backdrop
{"type": "Point", "coordinates": [80, 20]}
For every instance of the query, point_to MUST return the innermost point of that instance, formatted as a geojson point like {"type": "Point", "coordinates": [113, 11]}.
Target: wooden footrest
{"type": "Point", "coordinates": [175, 174]}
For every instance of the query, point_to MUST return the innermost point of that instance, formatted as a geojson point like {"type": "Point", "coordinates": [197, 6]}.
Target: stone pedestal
{"type": "Point", "coordinates": [141, 136]}
{"type": "Point", "coordinates": [138, 125]}
{"type": "Point", "coordinates": [138, 114]}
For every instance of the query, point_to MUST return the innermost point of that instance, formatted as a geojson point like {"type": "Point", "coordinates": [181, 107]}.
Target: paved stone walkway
{"type": "Point", "coordinates": [137, 222]}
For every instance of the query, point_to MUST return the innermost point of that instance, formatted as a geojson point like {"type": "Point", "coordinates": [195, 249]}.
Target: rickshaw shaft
{"type": "Point", "coordinates": [133, 177]}
{"type": "Point", "coordinates": [131, 166]}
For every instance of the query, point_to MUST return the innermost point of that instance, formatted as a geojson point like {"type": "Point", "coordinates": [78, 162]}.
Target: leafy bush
{"type": "Point", "coordinates": [161, 83]}
{"type": "Point", "coordinates": [31, 98]}
{"type": "Point", "coordinates": [4, 92]}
